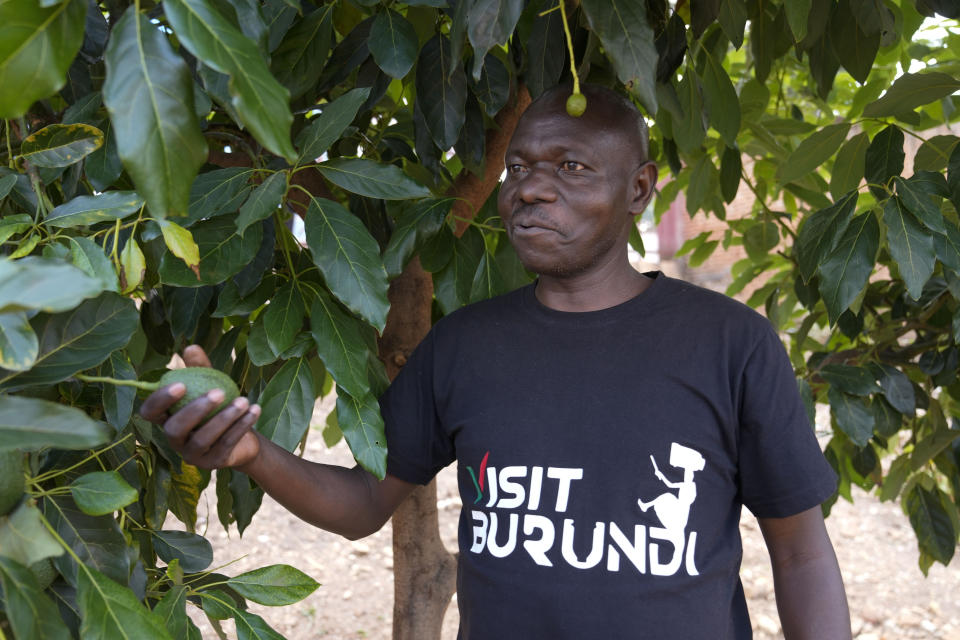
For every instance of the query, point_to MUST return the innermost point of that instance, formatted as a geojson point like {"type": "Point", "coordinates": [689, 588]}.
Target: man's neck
{"type": "Point", "coordinates": [591, 292]}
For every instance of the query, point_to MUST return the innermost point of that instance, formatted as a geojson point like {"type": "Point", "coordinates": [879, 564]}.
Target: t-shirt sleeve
{"type": "Point", "coordinates": [417, 445]}
{"type": "Point", "coordinates": [782, 469]}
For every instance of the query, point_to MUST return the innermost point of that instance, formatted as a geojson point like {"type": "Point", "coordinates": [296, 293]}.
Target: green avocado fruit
{"type": "Point", "coordinates": [11, 480]}
{"type": "Point", "coordinates": [199, 381]}
{"type": "Point", "coordinates": [44, 572]}
{"type": "Point", "coordinates": [576, 104]}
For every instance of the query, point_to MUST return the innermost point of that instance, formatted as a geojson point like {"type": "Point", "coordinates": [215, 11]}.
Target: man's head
{"type": "Point", "coordinates": [574, 184]}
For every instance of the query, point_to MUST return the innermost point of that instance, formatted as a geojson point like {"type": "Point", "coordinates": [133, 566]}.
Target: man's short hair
{"type": "Point", "coordinates": [621, 111]}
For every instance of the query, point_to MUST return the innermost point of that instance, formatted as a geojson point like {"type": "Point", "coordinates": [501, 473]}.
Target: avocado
{"type": "Point", "coordinates": [11, 480]}
{"type": "Point", "coordinates": [200, 380]}
{"type": "Point", "coordinates": [44, 572]}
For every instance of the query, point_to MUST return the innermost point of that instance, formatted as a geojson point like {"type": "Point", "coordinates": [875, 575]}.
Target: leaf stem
{"type": "Point", "coordinates": [139, 384]}
{"type": "Point", "coordinates": [573, 62]}
{"type": "Point", "coordinates": [43, 477]}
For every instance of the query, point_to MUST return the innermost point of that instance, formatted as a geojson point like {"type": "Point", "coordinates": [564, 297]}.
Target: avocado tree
{"type": "Point", "coordinates": [302, 187]}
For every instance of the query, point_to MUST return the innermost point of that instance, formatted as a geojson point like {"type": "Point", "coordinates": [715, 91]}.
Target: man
{"type": "Point", "coordinates": [558, 400]}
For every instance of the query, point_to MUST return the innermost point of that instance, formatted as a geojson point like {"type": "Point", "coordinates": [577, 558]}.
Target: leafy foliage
{"type": "Point", "coordinates": [250, 176]}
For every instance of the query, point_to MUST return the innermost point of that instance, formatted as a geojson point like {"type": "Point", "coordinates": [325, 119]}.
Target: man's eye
{"type": "Point", "coordinates": [572, 165]}
{"type": "Point", "coordinates": [515, 168]}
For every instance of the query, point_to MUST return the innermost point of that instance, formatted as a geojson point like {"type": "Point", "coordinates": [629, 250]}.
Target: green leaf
{"type": "Point", "coordinates": [231, 303]}
{"type": "Point", "coordinates": [194, 552]}
{"type": "Point", "coordinates": [252, 627]}
{"type": "Point", "coordinates": [931, 522]}
{"type": "Point", "coordinates": [853, 416]}
{"type": "Point", "coordinates": [848, 168]}
{"type": "Point", "coordinates": [910, 245]}
{"type": "Point", "coordinates": [689, 131]}
{"type": "Point", "coordinates": [393, 43]}
{"type": "Point", "coordinates": [217, 192]}
{"type": "Point", "coordinates": [223, 252]}
{"type": "Point", "coordinates": [441, 94]}
{"type": "Point", "coordinates": [275, 585]}
{"type": "Point", "coordinates": [821, 232]}
{"type": "Point", "coordinates": [947, 247]}
{"type": "Point", "coordinates": [845, 271]}
{"type": "Point", "coordinates": [760, 238]}
{"type": "Point", "coordinates": [918, 202]}
{"type": "Point", "coordinates": [898, 390]}
{"type": "Point", "coordinates": [628, 40]}
{"type": "Point", "coordinates": [284, 317]}
{"type": "Point", "coordinates": [101, 492]}
{"type": "Point", "coordinates": [85, 210]}
{"type": "Point", "coordinates": [797, 14]}
{"type": "Point", "coordinates": [857, 381]}
{"type": "Point", "coordinates": [31, 613]}
{"type": "Point", "coordinates": [812, 152]}
{"type": "Point", "coordinates": [31, 424]}
{"type": "Point", "coordinates": [287, 403]}
{"type": "Point", "coordinates": [172, 610]}
{"type": "Point", "coordinates": [733, 19]}
{"type": "Point", "coordinates": [23, 537]}
{"type": "Point", "coordinates": [18, 342]}
{"type": "Point", "coordinates": [133, 266]}
{"type": "Point", "coordinates": [263, 202]}
{"type": "Point", "coordinates": [96, 540]}
{"type": "Point", "coordinates": [855, 47]}
{"type": "Point", "coordinates": [372, 179]}
{"type": "Point", "coordinates": [884, 159]}
{"type": "Point", "coordinates": [37, 45]}
{"type": "Point", "coordinates": [149, 93]}
{"type": "Point", "coordinates": [77, 340]}
{"type": "Point", "coordinates": [912, 90]}
{"type": "Point", "coordinates": [88, 256]}
{"type": "Point", "coordinates": [487, 281]}
{"type": "Point", "coordinates": [489, 23]}
{"type": "Point", "coordinates": [454, 283]}
{"type": "Point", "coordinates": [261, 102]}
{"type": "Point", "coordinates": [493, 88]}
{"type": "Point", "coordinates": [60, 145]}
{"type": "Point", "coordinates": [349, 259]}
{"type": "Point", "coordinates": [258, 348]}
{"type": "Point", "coordinates": [546, 53]}
{"type": "Point", "coordinates": [341, 345]}
{"type": "Point", "coordinates": [112, 612]}
{"type": "Point", "coordinates": [731, 166]}
{"type": "Point", "coordinates": [6, 184]}
{"type": "Point", "coordinates": [118, 400]}
{"type": "Point", "coordinates": [362, 427]}
{"type": "Point", "coordinates": [415, 225]}
{"type": "Point", "coordinates": [703, 184]}
{"type": "Point", "coordinates": [299, 60]}
{"type": "Point", "coordinates": [723, 106]}
{"type": "Point", "coordinates": [326, 128]}
{"type": "Point", "coordinates": [934, 153]}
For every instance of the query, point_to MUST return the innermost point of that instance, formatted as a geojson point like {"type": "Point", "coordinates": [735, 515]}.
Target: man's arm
{"type": "Point", "coordinates": [806, 577]}
{"type": "Point", "coordinates": [350, 502]}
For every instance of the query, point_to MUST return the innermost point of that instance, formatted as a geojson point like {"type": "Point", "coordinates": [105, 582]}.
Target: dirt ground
{"type": "Point", "coordinates": [889, 597]}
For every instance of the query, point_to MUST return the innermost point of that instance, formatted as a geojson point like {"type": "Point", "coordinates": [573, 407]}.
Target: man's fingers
{"type": "Point", "coordinates": [154, 408]}
{"type": "Point", "coordinates": [180, 424]}
{"type": "Point", "coordinates": [220, 452]}
{"type": "Point", "coordinates": [195, 356]}
{"type": "Point", "coordinates": [199, 440]}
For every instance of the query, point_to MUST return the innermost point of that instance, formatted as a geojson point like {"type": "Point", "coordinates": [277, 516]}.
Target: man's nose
{"type": "Point", "coordinates": [537, 186]}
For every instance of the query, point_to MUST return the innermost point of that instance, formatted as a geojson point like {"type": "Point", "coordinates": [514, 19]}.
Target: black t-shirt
{"type": "Point", "coordinates": [603, 458]}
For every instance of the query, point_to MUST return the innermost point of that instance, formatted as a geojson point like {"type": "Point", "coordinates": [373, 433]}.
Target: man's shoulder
{"type": "Point", "coordinates": [705, 307]}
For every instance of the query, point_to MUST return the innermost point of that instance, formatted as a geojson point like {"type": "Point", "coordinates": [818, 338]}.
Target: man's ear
{"type": "Point", "coordinates": [643, 182]}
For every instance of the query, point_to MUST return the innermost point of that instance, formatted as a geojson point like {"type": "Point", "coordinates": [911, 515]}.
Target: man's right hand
{"type": "Point", "coordinates": [226, 440]}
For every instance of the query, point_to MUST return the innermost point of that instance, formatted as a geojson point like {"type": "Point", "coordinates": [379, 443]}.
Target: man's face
{"type": "Point", "coordinates": [569, 191]}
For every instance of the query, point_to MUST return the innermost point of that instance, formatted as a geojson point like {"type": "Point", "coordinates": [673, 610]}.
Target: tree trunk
{"type": "Point", "coordinates": [424, 572]}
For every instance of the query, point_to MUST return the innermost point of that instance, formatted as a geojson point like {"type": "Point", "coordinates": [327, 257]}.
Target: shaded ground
{"type": "Point", "coordinates": [889, 597]}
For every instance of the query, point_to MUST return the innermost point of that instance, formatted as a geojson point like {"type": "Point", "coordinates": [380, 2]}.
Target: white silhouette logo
{"type": "Point", "coordinates": [673, 510]}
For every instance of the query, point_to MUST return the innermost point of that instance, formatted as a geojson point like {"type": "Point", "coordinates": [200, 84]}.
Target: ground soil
{"type": "Point", "coordinates": [890, 599]}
